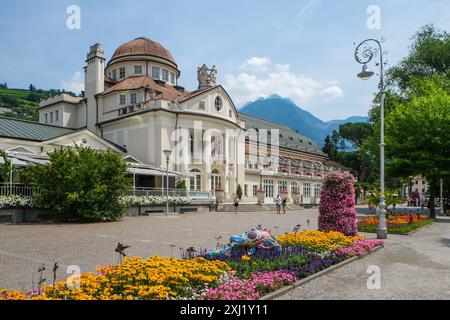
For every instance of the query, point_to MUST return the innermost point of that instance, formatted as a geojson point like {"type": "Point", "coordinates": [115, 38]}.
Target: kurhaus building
{"type": "Point", "coordinates": [133, 104]}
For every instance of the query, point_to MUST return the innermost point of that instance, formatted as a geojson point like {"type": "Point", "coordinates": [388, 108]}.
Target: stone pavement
{"type": "Point", "coordinates": [412, 267]}
{"type": "Point", "coordinates": [25, 247]}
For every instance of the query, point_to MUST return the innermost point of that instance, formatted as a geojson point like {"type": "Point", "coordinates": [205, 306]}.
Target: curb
{"type": "Point", "coordinates": [301, 282]}
{"type": "Point", "coordinates": [411, 232]}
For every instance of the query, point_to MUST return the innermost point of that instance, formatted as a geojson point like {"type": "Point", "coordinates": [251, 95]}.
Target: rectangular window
{"type": "Point", "coordinates": [230, 113]}
{"type": "Point", "coordinates": [56, 115]}
{"type": "Point", "coordinates": [138, 69]}
{"type": "Point", "coordinates": [306, 190]}
{"type": "Point", "coordinates": [122, 99]}
{"type": "Point", "coordinates": [268, 186]}
{"type": "Point", "coordinates": [201, 105]}
{"type": "Point", "coordinates": [165, 75]}
{"type": "Point", "coordinates": [155, 72]}
{"type": "Point", "coordinates": [172, 78]}
{"type": "Point", "coordinates": [133, 98]}
{"type": "Point", "coordinates": [282, 187]}
{"type": "Point", "coordinates": [122, 72]}
{"type": "Point", "coordinates": [51, 117]}
{"type": "Point", "coordinates": [114, 74]}
{"type": "Point", "coordinates": [317, 189]}
{"type": "Point", "coordinates": [46, 118]}
{"type": "Point", "coordinates": [255, 187]}
{"type": "Point", "coordinates": [246, 190]}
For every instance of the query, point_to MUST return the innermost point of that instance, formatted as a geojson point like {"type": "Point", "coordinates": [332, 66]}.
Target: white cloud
{"type": "Point", "coordinates": [332, 92]}
{"type": "Point", "coordinates": [75, 84]}
{"type": "Point", "coordinates": [256, 61]}
{"type": "Point", "coordinates": [252, 84]}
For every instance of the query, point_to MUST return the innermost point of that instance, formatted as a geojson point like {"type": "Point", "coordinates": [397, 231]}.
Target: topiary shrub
{"type": "Point", "coordinates": [239, 191]}
{"type": "Point", "coordinates": [337, 205]}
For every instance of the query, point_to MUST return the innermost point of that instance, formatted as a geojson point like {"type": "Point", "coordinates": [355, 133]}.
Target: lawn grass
{"type": "Point", "coordinates": [407, 228]}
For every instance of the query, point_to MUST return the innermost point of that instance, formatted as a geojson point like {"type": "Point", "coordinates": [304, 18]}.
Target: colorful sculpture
{"type": "Point", "coordinates": [257, 238]}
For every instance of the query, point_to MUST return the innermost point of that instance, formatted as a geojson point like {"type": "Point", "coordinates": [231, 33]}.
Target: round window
{"type": "Point", "coordinates": [218, 103]}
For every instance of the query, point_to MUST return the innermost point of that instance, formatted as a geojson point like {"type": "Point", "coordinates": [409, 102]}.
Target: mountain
{"type": "Point", "coordinates": [285, 111]}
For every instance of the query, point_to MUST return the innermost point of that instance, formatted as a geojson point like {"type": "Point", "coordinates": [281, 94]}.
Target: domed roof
{"type": "Point", "coordinates": [143, 46]}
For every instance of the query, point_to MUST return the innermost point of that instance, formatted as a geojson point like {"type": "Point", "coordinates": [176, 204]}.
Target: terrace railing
{"type": "Point", "coordinates": [17, 189]}
{"type": "Point", "coordinates": [142, 191]}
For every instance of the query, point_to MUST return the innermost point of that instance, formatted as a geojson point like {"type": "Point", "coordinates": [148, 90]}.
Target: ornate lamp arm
{"type": "Point", "coordinates": [369, 49]}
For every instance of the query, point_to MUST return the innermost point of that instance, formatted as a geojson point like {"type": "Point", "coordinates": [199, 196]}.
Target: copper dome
{"type": "Point", "coordinates": [143, 46]}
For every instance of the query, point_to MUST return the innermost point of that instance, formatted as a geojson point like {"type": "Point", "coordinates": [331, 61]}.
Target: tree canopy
{"type": "Point", "coordinates": [418, 132]}
{"type": "Point", "coordinates": [81, 183]}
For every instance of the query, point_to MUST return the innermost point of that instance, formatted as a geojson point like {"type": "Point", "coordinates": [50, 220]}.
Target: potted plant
{"type": "Point", "coordinates": [284, 194]}
{"type": "Point", "coordinates": [239, 191]}
{"type": "Point", "coordinates": [295, 197]}
{"type": "Point", "coordinates": [260, 194]}
{"type": "Point", "coordinates": [219, 195]}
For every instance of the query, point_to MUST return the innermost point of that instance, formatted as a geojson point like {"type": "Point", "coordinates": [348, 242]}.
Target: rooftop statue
{"type": "Point", "coordinates": [206, 77]}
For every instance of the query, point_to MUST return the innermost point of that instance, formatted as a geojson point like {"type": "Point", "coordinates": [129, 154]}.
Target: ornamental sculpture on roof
{"type": "Point", "coordinates": [206, 77]}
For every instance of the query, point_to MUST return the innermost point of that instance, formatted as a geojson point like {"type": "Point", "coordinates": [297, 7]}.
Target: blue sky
{"type": "Point", "coordinates": [302, 50]}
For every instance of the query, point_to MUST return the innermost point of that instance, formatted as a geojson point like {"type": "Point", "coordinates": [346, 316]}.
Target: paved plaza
{"type": "Point", "coordinates": [412, 267]}
{"type": "Point", "coordinates": [25, 247]}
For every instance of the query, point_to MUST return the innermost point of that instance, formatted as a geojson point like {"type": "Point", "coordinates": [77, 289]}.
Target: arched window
{"type": "Point", "coordinates": [195, 180]}
{"type": "Point", "coordinates": [218, 103]}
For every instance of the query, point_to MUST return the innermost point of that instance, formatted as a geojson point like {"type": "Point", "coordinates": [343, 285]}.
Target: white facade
{"type": "Point", "coordinates": [135, 102]}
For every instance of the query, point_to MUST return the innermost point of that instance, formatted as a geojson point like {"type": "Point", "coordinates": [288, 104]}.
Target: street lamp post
{"type": "Point", "coordinates": [364, 53]}
{"type": "Point", "coordinates": [167, 153]}
{"type": "Point", "coordinates": [441, 201]}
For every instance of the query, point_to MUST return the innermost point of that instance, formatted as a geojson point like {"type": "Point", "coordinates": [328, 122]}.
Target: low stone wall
{"type": "Point", "coordinates": [23, 215]}
{"type": "Point", "coordinates": [189, 208]}
{"type": "Point", "coordinates": [38, 215]}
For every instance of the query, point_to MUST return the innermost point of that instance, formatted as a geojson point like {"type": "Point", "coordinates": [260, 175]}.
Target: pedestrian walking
{"type": "Point", "coordinates": [278, 203]}
{"type": "Point", "coordinates": [283, 203]}
{"type": "Point", "coordinates": [236, 204]}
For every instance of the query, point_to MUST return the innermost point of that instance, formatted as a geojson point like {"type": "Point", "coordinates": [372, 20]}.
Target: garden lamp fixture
{"type": "Point", "coordinates": [167, 153]}
{"type": "Point", "coordinates": [364, 53]}
{"type": "Point", "coordinates": [365, 74]}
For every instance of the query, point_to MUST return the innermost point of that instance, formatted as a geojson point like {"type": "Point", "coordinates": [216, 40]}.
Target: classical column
{"type": "Point", "coordinates": [226, 158]}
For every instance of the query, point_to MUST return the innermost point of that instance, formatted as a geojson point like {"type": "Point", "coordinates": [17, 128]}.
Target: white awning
{"type": "Point", "coordinates": [33, 160]}
{"type": "Point", "coordinates": [149, 172]}
{"type": "Point", "coordinates": [17, 162]}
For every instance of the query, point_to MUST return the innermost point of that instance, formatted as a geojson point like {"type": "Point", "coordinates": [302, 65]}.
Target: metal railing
{"type": "Point", "coordinates": [17, 189]}
{"type": "Point", "coordinates": [142, 191]}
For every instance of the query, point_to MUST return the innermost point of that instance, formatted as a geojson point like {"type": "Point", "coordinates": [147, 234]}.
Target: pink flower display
{"type": "Point", "coordinates": [360, 246]}
{"type": "Point", "coordinates": [337, 204]}
{"type": "Point", "coordinates": [252, 288]}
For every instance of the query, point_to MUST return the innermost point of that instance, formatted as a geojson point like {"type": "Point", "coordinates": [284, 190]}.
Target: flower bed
{"type": "Point", "coordinates": [400, 224]}
{"type": "Point", "coordinates": [29, 202]}
{"type": "Point", "coordinates": [150, 201]}
{"type": "Point", "coordinates": [11, 202]}
{"type": "Point", "coordinates": [235, 277]}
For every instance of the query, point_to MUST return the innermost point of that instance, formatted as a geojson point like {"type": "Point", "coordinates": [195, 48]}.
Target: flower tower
{"type": "Point", "coordinates": [337, 204]}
